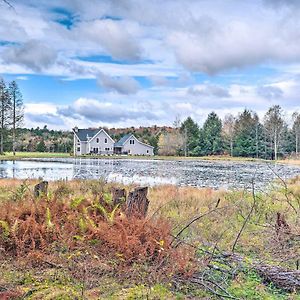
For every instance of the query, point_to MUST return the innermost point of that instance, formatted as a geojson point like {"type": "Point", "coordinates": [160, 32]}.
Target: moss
{"type": "Point", "coordinates": [250, 286]}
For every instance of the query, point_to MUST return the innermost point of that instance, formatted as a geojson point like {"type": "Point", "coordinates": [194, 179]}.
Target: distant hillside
{"type": "Point", "coordinates": [46, 140]}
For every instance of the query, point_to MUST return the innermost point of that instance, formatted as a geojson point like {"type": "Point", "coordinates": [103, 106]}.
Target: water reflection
{"type": "Point", "coordinates": [151, 172]}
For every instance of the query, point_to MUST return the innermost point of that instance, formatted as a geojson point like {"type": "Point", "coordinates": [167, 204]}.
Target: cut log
{"type": "Point", "coordinates": [137, 203]}
{"type": "Point", "coordinates": [285, 279]}
{"type": "Point", "coordinates": [119, 196]}
{"type": "Point", "coordinates": [41, 189]}
{"type": "Point", "coordinates": [223, 267]}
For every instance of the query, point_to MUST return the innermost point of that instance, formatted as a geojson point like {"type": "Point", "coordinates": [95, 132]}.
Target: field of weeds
{"type": "Point", "coordinates": [74, 243]}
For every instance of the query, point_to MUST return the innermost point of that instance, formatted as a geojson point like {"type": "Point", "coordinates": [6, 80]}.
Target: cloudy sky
{"type": "Point", "coordinates": [120, 63]}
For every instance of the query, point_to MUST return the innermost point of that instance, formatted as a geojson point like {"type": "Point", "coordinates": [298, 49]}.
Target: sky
{"type": "Point", "coordinates": [121, 63]}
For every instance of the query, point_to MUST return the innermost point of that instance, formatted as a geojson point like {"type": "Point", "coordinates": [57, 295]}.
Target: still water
{"type": "Point", "coordinates": [215, 174]}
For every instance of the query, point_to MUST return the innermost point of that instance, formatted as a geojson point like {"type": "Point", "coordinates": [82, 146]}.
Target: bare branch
{"type": "Point", "coordinates": [8, 3]}
{"type": "Point", "coordinates": [247, 218]}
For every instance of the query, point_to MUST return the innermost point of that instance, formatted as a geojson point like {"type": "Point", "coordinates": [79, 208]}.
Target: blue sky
{"type": "Point", "coordinates": [120, 63]}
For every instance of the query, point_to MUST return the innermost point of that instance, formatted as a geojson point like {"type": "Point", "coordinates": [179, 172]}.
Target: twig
{"type": "Point", "coordinates": [247, 218]}
{"type": "Point", "coordinates": [198, 218]}
{"type": "Point", "coordinates": [7, 2]}
{"type": "Point", "coordinates": [286, 190]}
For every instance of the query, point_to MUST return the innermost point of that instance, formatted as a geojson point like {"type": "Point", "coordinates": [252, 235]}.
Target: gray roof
{"type": "Point", "coordinates": [83, 133]}
{"type": "Point", "coordinates": [121, 142]}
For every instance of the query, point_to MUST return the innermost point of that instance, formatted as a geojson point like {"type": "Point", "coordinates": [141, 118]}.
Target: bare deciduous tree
{"type": "Point", "coordinates": [4, 112]}
{"type": "Point", "coordinates": [296, 130]}
{"type": "Point", "coordinates": [228, 130]}
{"type": "Point", "coordinates": [17, 111]}
{"type": "Point", "coordinates": [274, 125]}
{"type": "Point", "coordinates": [170, 143]}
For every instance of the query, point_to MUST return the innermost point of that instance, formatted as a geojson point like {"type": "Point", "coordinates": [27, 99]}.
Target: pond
{"type": "Point", "coordinates": [198, 173]}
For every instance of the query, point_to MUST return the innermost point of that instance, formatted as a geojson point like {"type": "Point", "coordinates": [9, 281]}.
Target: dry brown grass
{"type": "Point", "coordinates": [79, 216]}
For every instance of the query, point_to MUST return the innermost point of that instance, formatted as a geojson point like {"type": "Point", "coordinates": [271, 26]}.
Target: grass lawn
{"type": "Point", "coordinates": [20, 155]}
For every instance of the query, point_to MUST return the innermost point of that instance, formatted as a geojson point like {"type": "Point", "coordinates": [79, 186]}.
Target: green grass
{"type": "Point", "coordinates": [20, 155]}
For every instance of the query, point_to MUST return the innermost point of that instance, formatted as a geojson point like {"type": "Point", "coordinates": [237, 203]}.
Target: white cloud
{"type": "Point", "coordinates": [123, 85]}
{"type": "Point", "coordinates": [171, 42]}
{"type": "Point", "coordinates": [33, 55]}
{"type": "Point", "coordinates": [111, 35]}
{"type": "Point", "coordinates": [209, 90]}
{"type": "Point", "coordinates": [203, 36]}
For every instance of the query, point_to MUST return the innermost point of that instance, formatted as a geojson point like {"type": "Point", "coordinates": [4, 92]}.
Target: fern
{"type": "Point", "coordinates": [107, 197]}
{"type": "Point", "coordinates": [49, 224]}
{"type": "Point", "coordinates": [5, 228]}
{"type": "Point", "coordinates": [109, 216]}
{"type": "Point", "coordinates": [76, 202]}
{"type": "Point", "coordinates": [82, 225]}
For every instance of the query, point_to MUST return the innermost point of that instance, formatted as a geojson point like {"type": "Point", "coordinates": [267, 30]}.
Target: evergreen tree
{"type": "Point", "coordinates": [41, 147]}
{"type": "Point", "coordinates": [287, 141]}
{"type": "Point", "coordinates": [190, 132]}
{"type": "Point", "coordinates": [211, 142]}
{"type": "Point", "coordinates": [248, 135]}
{"type": "Point", "coordinates": [17, 111]}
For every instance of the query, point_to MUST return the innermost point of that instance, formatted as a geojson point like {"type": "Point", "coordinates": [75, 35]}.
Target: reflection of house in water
{"type": "Point", "coordinates": [92, 168]}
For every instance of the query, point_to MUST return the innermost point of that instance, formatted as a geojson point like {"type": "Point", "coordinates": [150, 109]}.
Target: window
{"type": "Point", "coordinates": [105, 140]}
{"type": "Point", "coordinates": [97, 140]}
{"type": "Point", "coordinates": [78, 149]}
{"type": "Point", "coordinates": [107, 149]}
{"type": "Point", "coordinates": [131, 142]}
{"type": "Point", "coordinates": [147, 151]}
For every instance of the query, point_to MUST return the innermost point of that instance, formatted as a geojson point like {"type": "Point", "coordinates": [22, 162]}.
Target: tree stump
{"type": "Point", "coordinates": [137, 203]}
{"type": "Point", "coordinates": [41, 189]}
{"type": "Point", "coordinates": [118, 196]}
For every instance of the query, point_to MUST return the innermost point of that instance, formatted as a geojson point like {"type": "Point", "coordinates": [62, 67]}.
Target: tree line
{"type": "Point", "coordinates": [11, 115]}
{"type": "Point", "coordinates": [243, 135]}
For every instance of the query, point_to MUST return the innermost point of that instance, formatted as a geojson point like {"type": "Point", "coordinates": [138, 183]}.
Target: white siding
{"type": "Point", "coordinates": [137, 148]}
{"type": "Point", "coordinates": [101, 143]}
{"type": "Point", "coordinates": [79, 147]}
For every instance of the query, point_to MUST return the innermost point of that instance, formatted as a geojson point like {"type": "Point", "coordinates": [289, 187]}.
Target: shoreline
{"type": "Point", "coordinates": [42, 155]}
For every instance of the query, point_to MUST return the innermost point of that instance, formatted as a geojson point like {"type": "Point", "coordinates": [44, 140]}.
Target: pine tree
{"type": "Point", "coordinates": [4, 112]}
{"type": "Point", "coordinates": [248, 135]}
{"type": "Point", "coordinates": [41, 147]}
{"type": "Point", "coordinates": [190, 132]}
{"type": "Point", "coordinates": [17, 111]}
{"type": "Point", "coordinates": [211, 142]}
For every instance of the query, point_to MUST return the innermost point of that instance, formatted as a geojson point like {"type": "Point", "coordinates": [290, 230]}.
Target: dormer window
{"type": "Point", "coordinates": [97, 140]}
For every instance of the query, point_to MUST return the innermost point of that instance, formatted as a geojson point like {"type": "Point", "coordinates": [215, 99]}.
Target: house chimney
{"type": "Point", "coordinates": [75, 129]}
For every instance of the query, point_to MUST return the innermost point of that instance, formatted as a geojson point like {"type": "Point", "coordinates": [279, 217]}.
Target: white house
{"type": "Point", "coordinates": [92, 141]}
{"type": "Point", "coordinates": [129, 144]}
